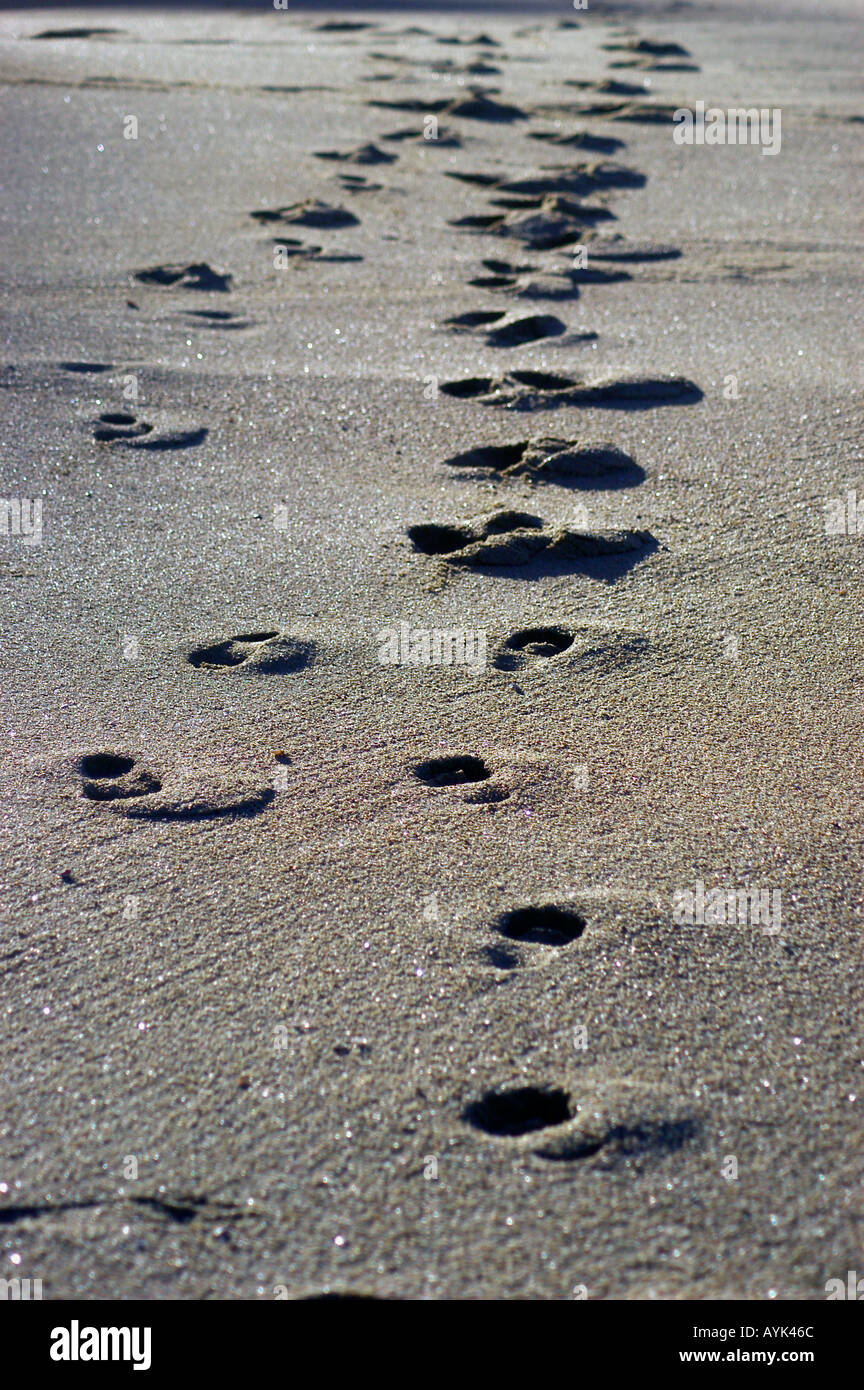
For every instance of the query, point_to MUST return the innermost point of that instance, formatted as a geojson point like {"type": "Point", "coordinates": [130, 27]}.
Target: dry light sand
{"type": "Point", "coordinates": [281, 1012]}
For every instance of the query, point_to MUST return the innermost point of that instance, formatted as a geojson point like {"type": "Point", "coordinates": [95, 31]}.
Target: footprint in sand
{"type": "Point", "coordinates": [461, 770]}
{"type": "Point", "coordinates": [575, 181]}
{"type": "Point", "coordinates": [119, 424]}
{"type": "Point", "coordinates": [556, 221]}
{"type": "Point", "coordinates": [479, 67]}
{"type": "Point", "coordinates": [343, 26]}
{"type": "Point", "coordinates": [647, 64]}
{"type": "Point", "coordinates": [548, 925]}
{"type": "Point", "coordinates": [114, 776]}
{"type": "Point", "coordinates": [639, 113]}
{"type": "Point", "coordinates": [85, 368]}
{"type": "Point", "coordinates": [217, 318]}
{"type": "Point", "coordinates": [196, 276]}
{"type": "Point", "coordinates": [538, 643]}
{"type": "Point", "coordinates": [650, 48]}
{"type": "Point", "coordinates": [260, 653]}
{"type": "Point", "coordinates": [502, 274]}
{"type": "Point", "coordinates": [361, 154]}
{"type": "Point", "coordinates": [562, 285]}
{"type": "Point", "coordinates": [534, 649]}
{"type": "Point", "coordinates": [458, 40]}
{"type": "Point", "coordinates": [547, 459]}
{"type": "Point", "coordinates": [444, 139]}
{"type": "Point", "coordinates": [118, 778]}
{"type": "Point", "coordinates": [522, 282]}
{"type": "Point", "coordinates": [119, 427]}
{"type": "Point", "coordinates": [514, 1111]}
{"type": "Point", "coordinates": [611, 86]}
{"type": "Point", "coordinates": [357, 183]}
{"type": "Point", "coordinates": [617, 248]}
{"type": "Point", "coordinates": [76, 33]}
{"type": "Point", "coordinates": [310, 213]}
{"type": "Point", "coordinates": [514, 540]}
{"type": "Point", "coordinates": [619, 1120]}
{"type": "Point", "coordinates": [302, 251]}
{"type": "Point", "coordinates": [452, 771]}
{"type": "Point", "coordinates": [499, 330]}
{"type": "Point", "coordinates": [534, 935]}
{"type": "Point", "coordinates": [476, 106]}
{"type": "Point", "coordinates": [527, 390]}
{"type": "Point", "coordinates": [580, 139]}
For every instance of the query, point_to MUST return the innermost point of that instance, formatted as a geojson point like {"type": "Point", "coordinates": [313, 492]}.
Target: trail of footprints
{"type": "Point", "coordinates": [544, 214]}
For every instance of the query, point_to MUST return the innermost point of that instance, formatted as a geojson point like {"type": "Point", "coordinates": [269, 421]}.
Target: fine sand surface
{"type": "Point", "coordinates": [281, 1013]}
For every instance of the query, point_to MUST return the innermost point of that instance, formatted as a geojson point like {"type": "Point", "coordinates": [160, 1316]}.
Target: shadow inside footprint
{"type": "Point", "coordinates": [439, 540]}
{"type": "Point", "coordinates": [565, 462]}
{"type": "Point", "coordinates": [85, 367]}
{"type": "Point", "coordinates": [112, 777]}
{"type": "Point", "coordinates": [543, 926]}
{"type": "Point", "coordinates": [217, 318]}
{"type": "Point", "coordinates": [540, 642]}
{"type": "Point", "coordinates": [184, 439]}
{"type": "Point", "coordinates": [361, 154]}
{"type": "Point", "coordinates": [106, 764]}
{"type": "Point", "coordinates": [468, 387]}
{"type": "Point", "coordinates": [196, 276]}
{"type": "Point", "coordinates": [532, 329]}
{"type": "Point", "coordinates": [653, 48]}
{"type": "Point", "coordinates": [75, 33]}
{"type": "Point", "coordinates": [452, 772]}
{"type": "Point", "coordinates": [520, 545]}
{"type": "Point", "coordinates": [310, 213]}
{"type": "Point", "coordinates": [261, 652]}
{"type": "Point", "coordinates": [119, 424]}
{"type": "Point", "coordinates": [617, 249]}
{"type": "Point", "coordinates": [597, 144]}
{"type": "Point", "coordinates": [537, 390]}
{"type": "Point", "coordinates": [476, 319]}
{"type": "Point", "coordinates": [119, 427]}
{"type": "Point", "coordinates": [517, 1111]}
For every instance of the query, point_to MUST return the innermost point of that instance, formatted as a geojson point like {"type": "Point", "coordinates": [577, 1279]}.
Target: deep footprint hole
{"type": "Point", "coordinates": [494, 282]}
{"type": "Point", "coordinates": [471, 386]}
{"type": "Point", "coordinates": [520, 1111]}
{"type": "Point", "coordinates": [101, 765]}
{"type": "Point", "coordinates": [529, 330]}
{"type": "Point", "coordinates": [497, 456]}
{"type": "Point", "coordinates": [504, 522]}
{"type": "Point", "coordinates": [544, 381]}
{"type": "Point", "coordinates": [117, 418]}
{"type": "Point", "coordinates": [506, 267]}
{"type": "Point", "coordinates": [439, 540]}
{"type": "Point", "coordinates": [231, 653]}
{"type": "Point", "coordinates": [541, 641]}
{"type": "Point", "coordinates": [477, 319]}
{"type": "Point", "coordinates": [452, 772]}
{"type": "Point", "coordinates": [544, 926]}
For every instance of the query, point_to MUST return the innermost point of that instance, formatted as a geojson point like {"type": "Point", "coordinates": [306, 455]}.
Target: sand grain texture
{"type": "Point", "coordinates": [269, 1018]}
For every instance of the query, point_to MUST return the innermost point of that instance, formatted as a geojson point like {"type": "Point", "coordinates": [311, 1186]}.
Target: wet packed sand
{"type": "Point", "coordinates": [329, 965]}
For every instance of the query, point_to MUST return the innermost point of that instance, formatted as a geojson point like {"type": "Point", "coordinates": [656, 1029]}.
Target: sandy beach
{"type": "Point", "coordinates": [431, 652]}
